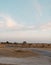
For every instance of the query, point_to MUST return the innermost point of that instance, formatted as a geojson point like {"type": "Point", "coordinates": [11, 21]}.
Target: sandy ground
{"type": "Point", "coordinates": [19, 56]}
{"type": "Point", "coordinates": [12, 52]}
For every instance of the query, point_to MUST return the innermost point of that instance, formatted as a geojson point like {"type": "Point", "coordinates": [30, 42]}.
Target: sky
{"type": "Point", "coordinates": [25, 20]}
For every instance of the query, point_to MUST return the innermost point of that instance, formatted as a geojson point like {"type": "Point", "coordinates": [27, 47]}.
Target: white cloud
{"type": "Point", "coordinates": [7, 23]}
{"type": "Point", "coordinates": [31, 33]}
{"type": "Point", "coordinates": [46, 27]}
{"type": "Point", "coordinates": [10, 23]}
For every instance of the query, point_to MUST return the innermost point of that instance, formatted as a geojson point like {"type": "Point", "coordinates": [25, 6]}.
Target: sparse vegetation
{"type": "Point", "coordinates": [24, 42]}
{"type": "Point", "coordinates": [25, 45]}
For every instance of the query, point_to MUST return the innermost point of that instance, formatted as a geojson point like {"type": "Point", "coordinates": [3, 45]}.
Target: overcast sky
{"type": "Point", "coordinates": [28, 20]}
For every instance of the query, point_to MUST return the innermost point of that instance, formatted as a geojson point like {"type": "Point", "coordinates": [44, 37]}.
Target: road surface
{"type": "Point", "coordinates": [40, 51]}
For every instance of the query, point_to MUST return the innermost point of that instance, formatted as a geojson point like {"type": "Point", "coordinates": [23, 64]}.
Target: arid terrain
{"type": "Point", "coordinates": [25, 53]}
{"type": "Point", "coordinates": [18, 53]}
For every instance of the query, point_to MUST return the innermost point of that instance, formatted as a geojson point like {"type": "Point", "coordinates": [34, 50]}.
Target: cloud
{"type": "Point", "coordinates": [46, 27]}
{"type": "Point", "coordinates": [7, 23]}
{"type": "Point", "coordinates": [18, 31]}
